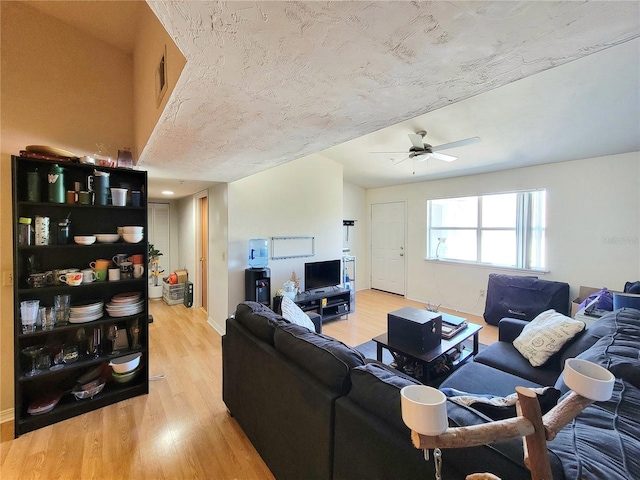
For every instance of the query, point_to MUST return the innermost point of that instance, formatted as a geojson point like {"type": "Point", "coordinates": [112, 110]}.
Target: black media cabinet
{"type": "Point", "coordinates": [329, 303]}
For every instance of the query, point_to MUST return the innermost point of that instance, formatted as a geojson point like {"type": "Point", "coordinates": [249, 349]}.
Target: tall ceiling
{"type": "Point", "coordinates": [270, 82]}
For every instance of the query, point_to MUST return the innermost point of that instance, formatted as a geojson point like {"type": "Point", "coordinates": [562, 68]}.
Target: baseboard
{"type": "Point", "coordinates": [7, 415]}
{"type": "Point", "coordinates": [215, 326]}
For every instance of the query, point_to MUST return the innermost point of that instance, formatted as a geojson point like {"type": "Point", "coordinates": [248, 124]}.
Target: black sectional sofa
{"type": "Point", "coordinates": [316, 408]}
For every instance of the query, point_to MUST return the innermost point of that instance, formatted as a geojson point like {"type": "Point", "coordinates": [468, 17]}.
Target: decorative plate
{"type": "Point", "coordinates": [46, 150]}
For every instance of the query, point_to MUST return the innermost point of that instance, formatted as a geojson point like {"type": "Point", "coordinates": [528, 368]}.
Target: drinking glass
{"type": "Point", "coordinates": [49, 320]}
{"type": "Point", "coordinates": [29, 315]}
{"type": "Point", "coordinates": [113, 335]}
{"type": "Point", "coordinates": [62, 304]}
{"type": "Point", "coordinates": [33, 351]}
{"type": "Point", "coordinates": [134, 329]}
{"type": "Point", "coordinates": [57, 355]}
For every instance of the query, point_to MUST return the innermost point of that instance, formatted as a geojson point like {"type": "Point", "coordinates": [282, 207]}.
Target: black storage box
{"type": "Point", "coordinates": [523, 297]}
{"type": "Point", "coordinates": [414, 329]}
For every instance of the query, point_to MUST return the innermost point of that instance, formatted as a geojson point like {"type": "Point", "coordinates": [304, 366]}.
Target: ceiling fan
{"type": "Point", "coordinates": [421, 151]}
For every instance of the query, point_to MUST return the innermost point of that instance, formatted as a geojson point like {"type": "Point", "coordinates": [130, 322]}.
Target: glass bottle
{"type": "Point", "coordinates": [24, 231]}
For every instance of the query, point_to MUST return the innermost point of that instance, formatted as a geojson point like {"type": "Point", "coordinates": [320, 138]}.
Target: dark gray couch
{"type": "Point", "coordinates": [314, 408]}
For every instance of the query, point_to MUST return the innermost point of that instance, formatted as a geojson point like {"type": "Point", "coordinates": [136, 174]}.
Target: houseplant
{"type": "Point", "coordinates": [155, 284]}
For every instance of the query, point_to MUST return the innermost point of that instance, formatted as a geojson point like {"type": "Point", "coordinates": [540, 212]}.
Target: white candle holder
{"type": "Point", "coordinates": [424, 409]}
{"type": "Point", "coordinates": [588, 379]}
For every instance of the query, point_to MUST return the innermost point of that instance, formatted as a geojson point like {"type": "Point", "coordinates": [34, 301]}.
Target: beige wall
{"type": "Point", "coordinates": [63, 88]}
{"type": "Point", "coordinates": [150, 45]}
{"type": "Point", "coordinates": [593, 227]}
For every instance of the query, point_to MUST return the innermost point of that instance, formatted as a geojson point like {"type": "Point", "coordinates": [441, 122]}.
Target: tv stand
{"type": "Point", "coordinates": [329, 304]}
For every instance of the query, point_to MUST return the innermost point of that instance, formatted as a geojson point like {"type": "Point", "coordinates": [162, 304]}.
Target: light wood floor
{"type": "Point", "coordinates": [181, 430]}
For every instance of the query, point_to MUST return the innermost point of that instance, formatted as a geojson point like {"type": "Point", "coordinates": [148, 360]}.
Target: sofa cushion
{"type": "Point", "coordinates": [293, 313]}
{"type": "Point", "coordinates": [504, 356]}
{"type": "Point", "coordinates": [261, 321]}
{"type": "Point", "coordinates": [602, 441]}
{"type": "Point", "coordinates": [616, 349]}
{"type": "Point", "coordinates": [545, 335]}
{"type": "Point", "coordinates": [376, 388]}
{"type": "Point", "coordinates": [325, 358]}
{"type": "Point", "coordinates": [475, 377]}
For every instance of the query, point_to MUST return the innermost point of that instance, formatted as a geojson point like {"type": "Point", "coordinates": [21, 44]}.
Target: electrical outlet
{"type": "Point", "coordinates": [483, 293]}
{"type": "Point", "coordinates": [7, 279]}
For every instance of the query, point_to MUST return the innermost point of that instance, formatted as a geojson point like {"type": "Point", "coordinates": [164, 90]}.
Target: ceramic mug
{"type": "Point", "coordinates": [100, 264]}
{"type": "Point", "coordinates": [118, 258]}
{"type": "Point", "coordinates": [138, 270]}
{"type": "Point", "coordinates": [73, 278]}
{"type": "Point", "coordinates": [38, 280]}
{"type": "Point", "coordinates": [137, 259]}
{"type": "Point", "coordinates": [88, 275]}
{"type": "Point", "coordinates": [126, 270]}
{"type": "Point", "coordinates": [101, 275]}
{"type": "Point", "coordinates": [84, 198]}
{"type": "Point", "coordinates": [114, 274]}
{"type": "Point", "coordinates": [58, 273]}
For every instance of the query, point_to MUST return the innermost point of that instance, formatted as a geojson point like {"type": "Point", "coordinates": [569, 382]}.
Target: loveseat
{"type": "Point", "coordinates": [316, 408]}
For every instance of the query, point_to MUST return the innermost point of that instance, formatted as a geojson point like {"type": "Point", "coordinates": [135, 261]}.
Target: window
{"type": "Point", "coordinates": [504, 229]}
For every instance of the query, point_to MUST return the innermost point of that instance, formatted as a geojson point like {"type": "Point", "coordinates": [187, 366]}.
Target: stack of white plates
{"type": "Point", "coordinates": [86, 311]}
{"type": "Point", "coordinates": [125, 304]}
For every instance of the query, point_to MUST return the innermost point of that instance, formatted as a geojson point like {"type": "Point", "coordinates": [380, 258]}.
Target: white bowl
{"type": "Point", "coordinates": [84, 239]}
{"type": "Point", "coordinates": [125, 377]}
{"type": "Point", "coordinates": [126, 364]}
{"type": "Point", "coordinates": [588, 379]}
{"type": "Point", "coordinates": [107, 237]}
{"type": "Point", "coordinates": [134, 229]}
{"type": "Point", "coordinates": [132, 237]}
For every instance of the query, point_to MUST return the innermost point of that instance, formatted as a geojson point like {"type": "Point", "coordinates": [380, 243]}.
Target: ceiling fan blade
{"type": "Point", "coordinates": [400, 161]}
{"type": "Point", "coordinates": [417, 140]}
{"type": "Point", "coordinates": [443, 156]}
{"type": "Point", "coordinates": [459, 143]}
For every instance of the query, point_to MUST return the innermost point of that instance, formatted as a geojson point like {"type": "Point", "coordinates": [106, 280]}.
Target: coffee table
{"type": "Point", "coordinates": [429, 357]}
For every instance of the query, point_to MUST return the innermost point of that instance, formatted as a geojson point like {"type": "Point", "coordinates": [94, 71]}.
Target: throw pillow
{"type": "Point", "coordinates": [545, 335]}
{"type": "Point", "coordinates": [294, 314]}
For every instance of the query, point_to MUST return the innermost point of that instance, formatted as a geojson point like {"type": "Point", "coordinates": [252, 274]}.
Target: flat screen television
{"type": "Point", "coordinates": [321, 274]}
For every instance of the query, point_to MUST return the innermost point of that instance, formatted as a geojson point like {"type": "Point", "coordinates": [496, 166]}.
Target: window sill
{"type": "Point", "coordinates": [486, 266]}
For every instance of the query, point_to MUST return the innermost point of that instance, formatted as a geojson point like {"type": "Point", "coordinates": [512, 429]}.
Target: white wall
{"type": "Point", "coordinates": [300, 198]}
{"type": "Point", "coordinates": [593, 227]}
{"type": "Point", "coordinates": [218, 301]}
{"type": "Point", "coordinates": [355, 208]}
{"type": "Point", "coordinates": [185, 211]}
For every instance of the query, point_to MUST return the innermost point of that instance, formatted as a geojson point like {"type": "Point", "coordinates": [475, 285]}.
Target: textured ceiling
{"type": "Point", "coordinates": [270, 82]}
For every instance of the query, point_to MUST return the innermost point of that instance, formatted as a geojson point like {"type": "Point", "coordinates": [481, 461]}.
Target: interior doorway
{"type": "Point", "coordinates": [202, 249]}
{"type": "Point", "coordinates": [388, 247]}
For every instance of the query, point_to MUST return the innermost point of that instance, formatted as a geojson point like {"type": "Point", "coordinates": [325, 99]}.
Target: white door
{"type": "Point", "coordinates": [387, 247]}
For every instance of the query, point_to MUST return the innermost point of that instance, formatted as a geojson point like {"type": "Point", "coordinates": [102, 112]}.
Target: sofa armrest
{"type": "Point", "coordinates": [316, 319]}
{"type": "Point", "coordinates": [510, 328]}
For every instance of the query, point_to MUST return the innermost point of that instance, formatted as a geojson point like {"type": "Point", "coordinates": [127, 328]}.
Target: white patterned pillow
{"type": "Point", "coordinates": [545, 335]}
{"type": "Point", "coordinates": [294, 314]}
